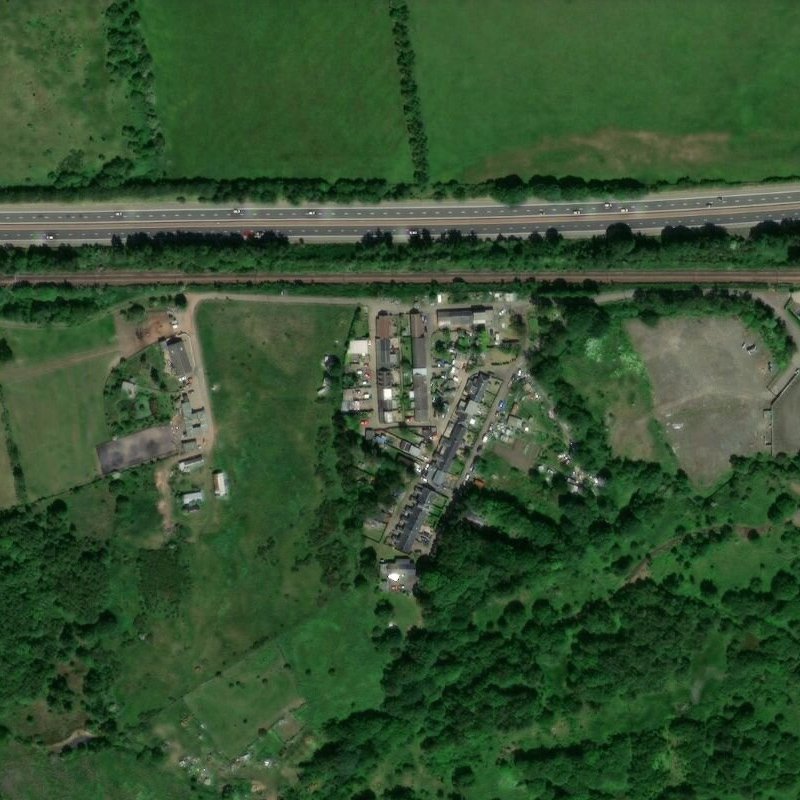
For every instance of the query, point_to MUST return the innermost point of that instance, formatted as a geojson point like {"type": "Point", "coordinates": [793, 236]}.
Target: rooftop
{"type": "Point", "coordinates": [179, 358]}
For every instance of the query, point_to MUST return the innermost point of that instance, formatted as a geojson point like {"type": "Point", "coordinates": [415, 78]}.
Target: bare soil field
{"type": "Point", "coordinates": [521, 454]}
{"type": "Point", "coordinates": [129, 451]}
{"type": "Point", "coordinates": [785, 417]}
{"type": "Point", "coordinates": [133, 337]}
{"type": "Point", "coordinates": [709, 393]}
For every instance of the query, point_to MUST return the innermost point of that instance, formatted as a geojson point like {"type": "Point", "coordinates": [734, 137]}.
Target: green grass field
{"type": "Point", "coordinates": [324, 668]}
{"type": "Point", "coordinates": [305, 89]}
{"type": "Point", "coordinates": [57, 419]}
{"type": "Point", "coordinates": [8, 494]}
{"type": "Point", "coordinates": [618, 89]}
{"type": "Point", "coordinates": [30, 774]}
{"type": "Point", "coordinates": [57, 98]}
{"type": "Point", "coordinates": [53, 389]}
{"type": "Point", "coordinates": [34, 344]}
{"type": "Point", "coordinates": [251, 579]}
{"type": "Point", "coordinates": [625, 402]}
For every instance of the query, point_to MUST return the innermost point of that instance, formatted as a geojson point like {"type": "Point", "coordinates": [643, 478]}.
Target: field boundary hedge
{"type": "Point", "coordinates": [128, 59]}
{"type": "Point", "coordinates": [768, 245]}
{"type": "Point", "coordinates": [20, 486]}
{"type": "Point", "coordinates": [412, 110]}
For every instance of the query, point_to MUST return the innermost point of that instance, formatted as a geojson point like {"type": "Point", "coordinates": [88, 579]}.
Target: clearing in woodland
{"type": "Point", "coordinates": [709, 391]}
{"type": "Point", "coordinates": [611, 90]}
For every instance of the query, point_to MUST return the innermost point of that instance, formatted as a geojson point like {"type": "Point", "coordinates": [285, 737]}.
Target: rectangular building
{"type": "Point", "coordinates": [220, 484]}
{"type": "Point", "coordinates": [179, 358]}
{"type": "Point", "coordinates": [191, 464]}
{"type": "Point", "coordinates": [463, 318]}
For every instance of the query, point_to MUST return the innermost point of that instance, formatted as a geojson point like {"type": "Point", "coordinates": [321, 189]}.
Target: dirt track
{"type": "Point", "coordinates": [611, 276]}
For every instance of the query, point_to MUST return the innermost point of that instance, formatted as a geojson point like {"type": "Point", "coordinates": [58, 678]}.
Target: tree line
{"type": "Point", "coordinates": [409, 91]}
{"type": "Point", "coordinates": [772, 245]}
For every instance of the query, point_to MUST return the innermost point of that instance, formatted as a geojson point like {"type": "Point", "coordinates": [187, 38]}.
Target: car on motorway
{"type": "Point", "coordinates": [624, 209]}
{"type": "Point", "coordinates": [117, 213]}
{"type": "Point", "coordinates": [577, 212]}
{"type": "Point", "coordinates": [49, 237]}
{"type": "Point", "coordinates": [709, 204]}
{"type": "Point", "coordinates": [312, 213]}
{"type": "Point", "coordinates": [606, 204]}
{"type": "Point", "coordinates": [237, 212]}
{"type": "Point", "coordinates": [412, 232]}
{"type": "Point", "coordinates": [541, 212]}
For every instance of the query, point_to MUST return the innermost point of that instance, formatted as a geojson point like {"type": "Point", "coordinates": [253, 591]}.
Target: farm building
{"type": "Point", "coordinates": [419, 356]}
{"type": "Point", "coordinates": [191, 464]}
{"type": "Point", "coordinates": [384, 326]}
{"type": "Point", "coordinates": [464, 318]}
{"type": "Point", "coordinates": [179, 358]}
{"type": "Point", "coordinates": [420, 390]}
{"type": "Point", "coordinates": [220, 484]}
{"type": "Point", "coordinates": [417, 324]}
{"type": "Point", "coordinates": [191, 500]}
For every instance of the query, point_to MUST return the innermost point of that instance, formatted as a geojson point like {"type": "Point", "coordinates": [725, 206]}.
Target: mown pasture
{"type": "Point", "coordinates": [53, 393]}
{"type": "Point", "coordinates": [34, 344]}
{"type": "Point", "coordinates": [57, 420]}
{"type": "Point", "coordinates": [60, 107]}
{"type": "Point", "coordinates": [278, 89]}
{"type": "Point", "coordinates": [612, 90]}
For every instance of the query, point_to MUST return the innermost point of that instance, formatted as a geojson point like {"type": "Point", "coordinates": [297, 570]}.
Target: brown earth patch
{"type": "Point", "coordinates": [520, 454]}
{"type": "Point", "coordinates": [77, 737]}
{"type": "Point", "coordinates": [708, 392]}
{"type": "Point", "coordinates": [609, 151]}
{"type": "Point", "coordinates": [165, 508]}
{"type": "Point", "coordinates": [135, 336]}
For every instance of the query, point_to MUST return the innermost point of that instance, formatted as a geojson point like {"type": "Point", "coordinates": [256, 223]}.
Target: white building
{"type": "Point", "coordinates": [220, 484]}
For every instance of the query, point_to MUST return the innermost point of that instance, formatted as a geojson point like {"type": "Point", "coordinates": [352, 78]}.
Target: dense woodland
{"type": "Point", "coordinates": [662, 689]}
{"type": "Point", "coordinates": [525, 672]}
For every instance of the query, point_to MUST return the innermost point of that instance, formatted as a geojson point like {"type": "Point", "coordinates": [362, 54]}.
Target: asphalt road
{"type": "Point", "coordinates": [740, 208]}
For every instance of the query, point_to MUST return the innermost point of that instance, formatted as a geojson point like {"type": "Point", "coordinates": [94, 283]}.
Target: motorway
{"type": "Point", "coordinates": [735, 208]}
